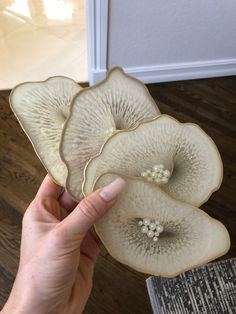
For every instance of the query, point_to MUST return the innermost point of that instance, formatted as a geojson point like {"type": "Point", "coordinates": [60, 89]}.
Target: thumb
{"type": "Point", "coordinates": [91, 209]}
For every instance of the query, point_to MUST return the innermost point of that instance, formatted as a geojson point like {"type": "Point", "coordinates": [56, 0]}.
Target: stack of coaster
{"type": "Point", "coordinates": [207, 289]}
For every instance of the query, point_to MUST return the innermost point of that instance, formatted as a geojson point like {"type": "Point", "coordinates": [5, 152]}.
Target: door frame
{"type": "Point", "coordinates": [97, 37]}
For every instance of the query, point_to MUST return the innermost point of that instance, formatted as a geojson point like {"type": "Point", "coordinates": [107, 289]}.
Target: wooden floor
{"type": "Point", "coordinates": [117, 289]}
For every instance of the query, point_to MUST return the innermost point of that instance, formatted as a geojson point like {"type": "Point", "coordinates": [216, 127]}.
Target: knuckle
{"type": "Point", "coordinates": [89, 281]}
{"type": "Point", "coordinates": [89, 208]}
{"type": "Point", "coordinates": [42, 203]}
{"type": "Point", "coordinates": [36, 206]}
{"type": "Point", "coordinates": [28, 214]}
{"type": "Point", "coordinates": [25, 218]}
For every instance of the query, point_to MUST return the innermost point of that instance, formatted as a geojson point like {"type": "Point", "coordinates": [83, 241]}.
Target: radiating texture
{"type": "Point", "coordinates": [197, 167]}
{"type": "Point", "coordinates": [207, 289]}
{"type": "Point", "coordinates": [209, 102]}
{"type": "Point", "coordinates": [190, 237]}
{"type": "Point", "coordinates": [119, 102]}
{"type": "Point", "coordinates": [42, 108]}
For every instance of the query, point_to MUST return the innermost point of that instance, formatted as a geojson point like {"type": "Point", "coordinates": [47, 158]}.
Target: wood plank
{"type": "Point", "coordinates": [117, 289]}
{"type": "Point", "coordinates": [6, 281]}
{"type": "Point", "coordinates": [10, 234]}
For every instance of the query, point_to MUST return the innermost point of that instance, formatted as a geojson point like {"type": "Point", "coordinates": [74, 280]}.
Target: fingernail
{"type": "Point", "coordinates": [112, 190]}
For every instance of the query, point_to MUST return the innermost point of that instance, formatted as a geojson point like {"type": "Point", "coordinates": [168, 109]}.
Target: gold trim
{"type": "Point", "coordinates": [152, 120]}
{"type": "Point", "coordinates": [44, 82]}
{"type": "Point", "coordinates": [214, 221]}
{"type": "Point", "coordinates": [84, 90]}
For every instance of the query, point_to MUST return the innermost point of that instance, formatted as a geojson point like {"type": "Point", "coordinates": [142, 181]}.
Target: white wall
{"type": "Point", "coordinates": [161, 40]}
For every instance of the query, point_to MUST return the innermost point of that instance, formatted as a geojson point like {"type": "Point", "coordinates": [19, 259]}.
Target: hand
{"type": "Point", "coordinates": [58, 250]}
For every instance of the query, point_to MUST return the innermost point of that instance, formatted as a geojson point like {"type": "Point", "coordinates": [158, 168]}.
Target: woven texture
{"type": "Point", "coordinates": [208, 289]}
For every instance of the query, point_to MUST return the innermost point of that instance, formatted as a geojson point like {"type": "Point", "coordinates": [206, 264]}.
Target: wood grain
{"type": "Point", "coordinates": [117, 289]}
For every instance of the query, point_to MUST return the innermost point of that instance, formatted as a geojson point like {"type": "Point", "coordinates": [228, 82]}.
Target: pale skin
{"type": "Point", "coordinates": [59, 248]}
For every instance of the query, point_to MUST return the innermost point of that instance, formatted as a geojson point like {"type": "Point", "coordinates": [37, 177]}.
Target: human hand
{"type": "Point", "coordinates": [58, 250]}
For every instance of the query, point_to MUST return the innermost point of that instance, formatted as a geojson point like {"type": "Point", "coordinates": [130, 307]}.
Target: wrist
{"type": "Point", "coordinates": [18, 305]}
{"type": "Point", "coordinates": [25, 300]}
{"type": "Point", "coordinates": [22, 299]}
{"type": "Point", "coordinates": [15, 306]}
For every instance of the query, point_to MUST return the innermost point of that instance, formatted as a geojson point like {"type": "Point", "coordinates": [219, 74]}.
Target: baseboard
{"type": "Point", "coordinates": [96, 76]}
{"type": "Point", "coordinates": [176, 72]}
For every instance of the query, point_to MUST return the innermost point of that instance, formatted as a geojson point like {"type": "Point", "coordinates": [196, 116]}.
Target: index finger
{"type": "Point", "coordinates": [49, 188]}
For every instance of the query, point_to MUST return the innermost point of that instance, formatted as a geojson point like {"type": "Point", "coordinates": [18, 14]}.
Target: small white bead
{"type": "Point", "coordinates": [157, 180]}
{"type": "Point", "coordinates": [144, 229]}
{"type": "Point", "coordinates": [152, 226]}
{"type": "Point", "coordinates": [167, 173]}
{"type": "Point", "coordinates": [159, 175]}
{"type": "Point", "coordinates": [146, 221]}
{"type": "Point", "coordinates": [157, 233]}
{"type": "Point", "coordinates": [140, 223]}
{"type": "Point", "coordinates": [150, 233]}
{"type": "Point", "coordinates": [156, 168]}
{"type": "Point", "coordinates": [164, 180]}
{"type": "Point", "coordinates": [161, 172]}
{"type": "Point", "coordinates": [153, 174]}
{"type": "Point", "coordinates": [159, 228]}
{"type": "Point", "coordinates": [155, 239]}
{"type": "Point", "coordinates": [143, 174]}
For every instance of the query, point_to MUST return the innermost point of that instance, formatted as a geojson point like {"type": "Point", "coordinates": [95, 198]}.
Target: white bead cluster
{"type": "Point", "coordinates": [157, 174]}
{"type": "Point", "coordinates": [152, 228]}
{"type": "Point", "coordinates": [110, 131]}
